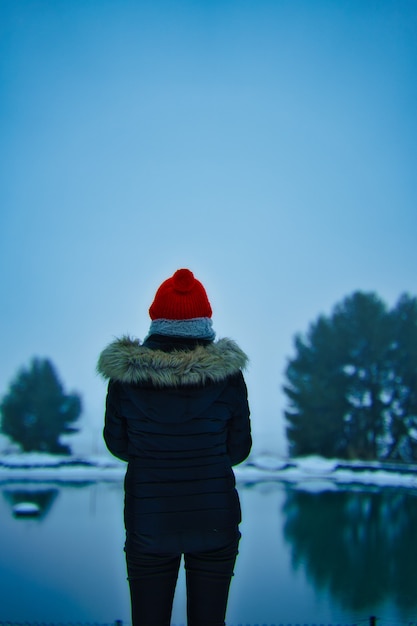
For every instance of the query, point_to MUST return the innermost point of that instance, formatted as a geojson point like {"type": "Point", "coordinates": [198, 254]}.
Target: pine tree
{"type": "Point", "coordinates": [352, 384]}
{"type": "Point", "coordinates": [402, 415]}
{"type": "Point", "coordinates": [36, 411]}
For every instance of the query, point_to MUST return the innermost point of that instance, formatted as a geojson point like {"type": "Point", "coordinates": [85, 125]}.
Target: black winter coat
{"type": "Point", "coordinates": [177, 411]}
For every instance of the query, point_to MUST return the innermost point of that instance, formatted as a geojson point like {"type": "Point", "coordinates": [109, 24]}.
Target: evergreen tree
{"type": "Point", "coordinates": [36, 411]}
{"type": "Point", "coordinates": [402, 414]}
{"type": "Point", "coordinates": [352, 384]}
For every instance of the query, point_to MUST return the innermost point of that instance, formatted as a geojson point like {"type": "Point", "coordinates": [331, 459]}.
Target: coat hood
{"type": "Point", "coordinates": [126, 360]}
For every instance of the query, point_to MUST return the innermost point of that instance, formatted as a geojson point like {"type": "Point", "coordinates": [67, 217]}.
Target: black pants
{"type": "Point", "coordinates": [153, 576]}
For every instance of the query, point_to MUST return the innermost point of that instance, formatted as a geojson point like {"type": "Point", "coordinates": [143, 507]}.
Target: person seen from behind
{"type": "Point", "coordinates": [177, 412]}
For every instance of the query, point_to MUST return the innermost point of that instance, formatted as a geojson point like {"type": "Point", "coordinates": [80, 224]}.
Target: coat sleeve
{"type": "Point", "coordinates": [115, 427]}
{"type": "Point", "coordinates": [239, 439]}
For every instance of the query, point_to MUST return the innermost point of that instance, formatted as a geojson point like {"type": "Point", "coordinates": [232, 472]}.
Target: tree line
{"type": "Point", "coordinates": [351, 388]}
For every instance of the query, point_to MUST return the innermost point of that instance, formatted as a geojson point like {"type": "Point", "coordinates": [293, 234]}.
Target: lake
{"type": "Point", "coordinates": [315, 554]}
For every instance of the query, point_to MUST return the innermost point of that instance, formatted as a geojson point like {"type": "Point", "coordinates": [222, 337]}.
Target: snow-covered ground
{"type": "Point", "coordinates": [309, 472]}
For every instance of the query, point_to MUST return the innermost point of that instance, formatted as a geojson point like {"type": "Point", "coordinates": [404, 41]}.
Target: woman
{"type": "Point", "coordinates": [177, 412]}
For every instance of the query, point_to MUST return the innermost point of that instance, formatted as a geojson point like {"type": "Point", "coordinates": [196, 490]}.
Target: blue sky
{"type": "Point", "coordinates": [269, 146]}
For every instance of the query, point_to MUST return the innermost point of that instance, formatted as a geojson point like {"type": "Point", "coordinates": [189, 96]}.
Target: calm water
{"type": "Point", "coordinates": [315, 556]}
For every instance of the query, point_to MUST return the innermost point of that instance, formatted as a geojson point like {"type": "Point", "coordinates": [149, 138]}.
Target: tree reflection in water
{"type": "Point", "coordinates": [42, 498]}
{"type": "Point", "coordinates": [360, 546]}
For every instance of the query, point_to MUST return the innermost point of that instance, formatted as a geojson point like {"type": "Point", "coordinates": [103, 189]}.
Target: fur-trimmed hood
{"type": "Point", "coordinates": [126, 360]}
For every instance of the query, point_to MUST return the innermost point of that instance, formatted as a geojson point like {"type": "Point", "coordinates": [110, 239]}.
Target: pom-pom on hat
{"type": "Point", "coordinates": [180, 297]}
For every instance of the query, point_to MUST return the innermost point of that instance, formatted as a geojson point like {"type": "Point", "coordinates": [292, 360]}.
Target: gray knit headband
{"type": "Point", "coordinates": [197, 327]}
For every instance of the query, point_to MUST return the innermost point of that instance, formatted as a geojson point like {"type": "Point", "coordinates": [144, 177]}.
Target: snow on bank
{"type": "Point", "coordinates": [39, 466]}
{"type": "Point", "coordinates": [308, 472]}
{"type": "Point", "coordinates": [316, 473]}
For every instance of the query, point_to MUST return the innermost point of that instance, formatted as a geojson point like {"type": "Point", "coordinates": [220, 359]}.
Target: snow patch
{"type": "Point", "coordinates": [313, 472]}
{"type": "Point", "coordinates": [26, 509]}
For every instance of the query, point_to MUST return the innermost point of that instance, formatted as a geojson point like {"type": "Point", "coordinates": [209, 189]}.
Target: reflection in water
{"type": "Point", "coordinates": [320, 558]}
{"type": "Point", "coordinates": [358, 545]}
{"type": "Point", "coordinates": [21, 501]}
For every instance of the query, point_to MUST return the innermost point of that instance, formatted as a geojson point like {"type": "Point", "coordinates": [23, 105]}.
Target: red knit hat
{"type": "Point", "coordinates": [180, 297]}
